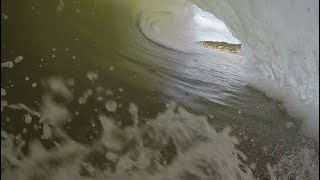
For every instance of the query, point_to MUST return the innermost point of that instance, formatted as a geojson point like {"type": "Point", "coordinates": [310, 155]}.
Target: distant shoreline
{"type": "Point", "coordinates": [223, 46]}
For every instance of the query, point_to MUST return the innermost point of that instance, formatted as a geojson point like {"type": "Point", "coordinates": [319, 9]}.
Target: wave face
{"type": "Point", "coordinates": [280, 44]}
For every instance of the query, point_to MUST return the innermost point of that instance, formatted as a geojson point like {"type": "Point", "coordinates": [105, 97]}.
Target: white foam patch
{"type": "Point", "coordinates": [3, 104]}
{"type": "Point", "coordinates": [52, 112]}
{"type": "Point", "coordinates": [92, 75]}
{"type": "Point", "coordinates": [109, 138]}
{"type": "Point", "coordinates": [111, 106]}
{"type": "Point", "coordinates": [4, 16]}
{"type": "Point", "coordinates": [8, 64]}
{"type": "Point", "coordinates": [109, 92]}
{"type": "Point", "coordinates": [18, 59]}
{"type": "Point", "coordinates": [111, 156]}
{"type": "Point", "coordinates": [84, 98]}
{"type": "Point", "coordinates": [3, 92]}
{"type": "Point", "coordinates": [58, 86]}
{"type": "Point", "coordinates": [36, 164]}
{"type": "Point", "coordinates": [46, 131]}
{"type": "Point", "coordinates": [133, 110]}
{"type": "Point", "coordinates": [21, 106]}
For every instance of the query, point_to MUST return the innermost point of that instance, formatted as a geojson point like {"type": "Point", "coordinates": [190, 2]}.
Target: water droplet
{"type": "Point", "coordinates": [111, 106]}
{"type": "Point", "coordinates": [27, 118]}
{"type": "Point", "coordinates": [4, 16]}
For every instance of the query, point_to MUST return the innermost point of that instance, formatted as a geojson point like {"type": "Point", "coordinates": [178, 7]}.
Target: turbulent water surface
{"type": "Point", "coordinates": [119, 89]}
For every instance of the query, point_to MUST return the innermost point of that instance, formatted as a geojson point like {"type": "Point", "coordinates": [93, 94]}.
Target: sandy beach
{"type": "Point", "coordinates": [223, 46]}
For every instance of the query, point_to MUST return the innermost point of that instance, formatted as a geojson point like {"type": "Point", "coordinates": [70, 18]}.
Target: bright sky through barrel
{"type": "Point", "coordinates": [212, 29]}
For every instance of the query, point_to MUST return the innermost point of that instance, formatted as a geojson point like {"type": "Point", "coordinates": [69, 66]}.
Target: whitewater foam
{"type": "Point", "coordinates": [175, 145]}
